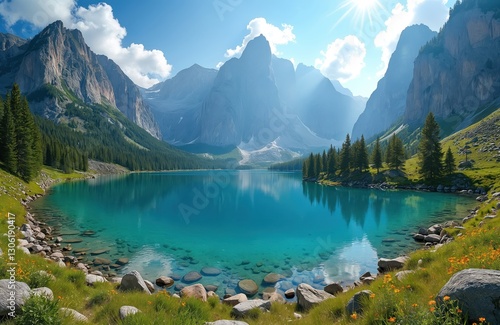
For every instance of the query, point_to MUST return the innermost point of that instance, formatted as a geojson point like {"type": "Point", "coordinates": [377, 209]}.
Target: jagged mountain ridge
{"type": "Point", "coordinates": [57, 66]}
{"type": "Point", "coordinates": [387, 103]}
{"type": "Point", "coordinates": [457, 75]}
{"type": "Point", "coordinates": [255, 102]}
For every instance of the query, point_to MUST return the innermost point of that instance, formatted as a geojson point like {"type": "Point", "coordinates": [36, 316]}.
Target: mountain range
{"type": "Point", "coordinates": [257, 103]}
{"type": "Point", "coordinates": [262, 108]}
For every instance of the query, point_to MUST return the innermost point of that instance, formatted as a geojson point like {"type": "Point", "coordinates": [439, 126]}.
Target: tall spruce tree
{"type": "Point", "coordinates": [8, 139]}
{"type": "Point", "coordinates": [317, 165]}
{"type": "Point", "coordinates": [429, 150]}
{"type": "Point", "coordinates": [345, 155]}
{"type": "Point", "coordinates": [310, 166]}
{"type": "Point", "coordinates": [331, 161]}
{"type": "Point", "coordinates": [395, 153]}
{"type": "Point", "coordinates": [377, 155]}
{"type": "Point", "coordinates": [360, 154]}
{"type": "Point", "coordinates": [449, 162]}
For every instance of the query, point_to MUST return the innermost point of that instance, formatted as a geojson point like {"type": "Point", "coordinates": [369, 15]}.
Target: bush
{"type": "Point", "coordinates": [39, 310]}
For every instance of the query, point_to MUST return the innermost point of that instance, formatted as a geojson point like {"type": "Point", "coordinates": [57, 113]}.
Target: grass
{"type": "Point", "coordinates": [393, 301]}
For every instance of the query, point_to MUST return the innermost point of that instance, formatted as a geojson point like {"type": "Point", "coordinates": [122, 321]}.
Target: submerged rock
{"type": "Point", "coordinates": [248, 287]}
{"type": "Point", "coordinates": [191, 277]}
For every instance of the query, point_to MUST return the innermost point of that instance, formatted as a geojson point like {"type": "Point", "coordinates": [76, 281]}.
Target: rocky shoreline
{"type": "Point", "coordinates": [39, 238]}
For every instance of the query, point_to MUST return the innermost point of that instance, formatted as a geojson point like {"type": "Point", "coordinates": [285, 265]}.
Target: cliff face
{"type": "Point", "coordinates": [59, 59]}
{"type": "Point", "coordinates": [387, 103]}
{"type": "Point", "coordinates": [457, 75]}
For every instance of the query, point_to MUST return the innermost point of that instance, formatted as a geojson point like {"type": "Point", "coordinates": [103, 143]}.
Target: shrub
{"type": "Point", "coordinates": [39, 310]}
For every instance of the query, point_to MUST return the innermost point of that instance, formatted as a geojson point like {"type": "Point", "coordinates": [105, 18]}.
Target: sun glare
{"type": "Point", "coordinates": [360, 11]}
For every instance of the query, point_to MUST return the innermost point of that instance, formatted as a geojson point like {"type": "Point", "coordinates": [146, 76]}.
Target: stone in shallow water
{"type": "Point", "coordinates": [72, 240]}
{"type": "Point", "coordinates": [191, 277]}
{"type": "Point", "coordinates": [272, 278]}
{"type": "Point", "coordinates": [211, 287]}
{"type": "Point", "coordinates": [210, 271]}
{"type": "Point", "coordinates": [122, 261]}
{"type": "Point", "coordinates": [99, 251]}
{"type": "Point", "coordinates": [248, 287]}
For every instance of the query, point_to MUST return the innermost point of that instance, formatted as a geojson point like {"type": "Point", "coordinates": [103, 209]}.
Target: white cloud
{"type": "Point", "coordinates": [432, 13]}
{"type": "Point", "coordinates": [343, 60]}
{"type": "Point", "coordinates": [101, 30]}
{"type": "Point", "coordinates": [274, 35]}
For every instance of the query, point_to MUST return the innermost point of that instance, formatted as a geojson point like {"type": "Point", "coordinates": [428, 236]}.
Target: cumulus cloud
{"type": "Point", "coordinates": [343, 60]}
{"type": "Point", "coordinates": [274, 35]}
{"type": "Point", "coordinates": [101, 30]}
{"type": "Point", "coordinates": [432, 13]}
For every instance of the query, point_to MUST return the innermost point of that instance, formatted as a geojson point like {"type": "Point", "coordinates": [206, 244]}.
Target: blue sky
{"type": "Point", "coordinates": [152, 40]}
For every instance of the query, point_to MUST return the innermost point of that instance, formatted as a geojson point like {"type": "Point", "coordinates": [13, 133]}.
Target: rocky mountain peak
{"type": "Point", "coordinates": [59, 59]}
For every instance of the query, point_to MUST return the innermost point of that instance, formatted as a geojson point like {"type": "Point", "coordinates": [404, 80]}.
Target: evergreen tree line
{"type": "Point", "coordinates": [356, 156]}
{"type": "Point", "coordinates": [20, 139]}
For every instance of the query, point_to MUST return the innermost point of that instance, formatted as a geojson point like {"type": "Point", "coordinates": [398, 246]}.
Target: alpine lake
{"type": "Point", "coordinates": [243, 224]}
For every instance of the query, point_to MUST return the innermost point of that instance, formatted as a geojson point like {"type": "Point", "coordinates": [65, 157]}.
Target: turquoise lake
{"type": "Point", "coordinates": [246, 223]}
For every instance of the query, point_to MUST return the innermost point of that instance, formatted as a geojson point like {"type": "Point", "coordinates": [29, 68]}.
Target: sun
{"type": "Point", "coordinates": [360, 11]}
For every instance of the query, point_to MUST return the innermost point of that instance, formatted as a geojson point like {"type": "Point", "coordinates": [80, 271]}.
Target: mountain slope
{"type": "Point", "coordinates": [387, 103]}
{"type": "Point", "coordinates": [57, 60]}
{"type": "Point", "coordinates": [177, 103]}
{"type": "Point", "coordinates": [457, 75]}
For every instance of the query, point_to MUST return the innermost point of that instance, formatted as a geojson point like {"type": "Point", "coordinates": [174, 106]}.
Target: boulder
{"type": "Point", "coordinates": [307, 296]}
{"type": "Point", "coordinates": [43, 291]}
{"type": "Point", "coordinates": [272, 278]}
{"type": "Point", "coordinates": [101, 261]}
{"type": "Point", "coordinates": [419, 237]}
{"type": "Point", "coordinates": [82, 267]}
{"type": "Point", "coordinates": [432, 238]}
{"type": "Point", "coordinates": [195, 291]}
{"type": "Point", "coordinates": [210, 271]}
{"type": "Point", "coordinates": [150, 286]}
{"type": "Point", "coordinates": [211, 294]}
{"type": "Point", "coordinates": [477, 292]}
{"type": "Point", "coordinates": [226, 322]}
{"type": "Point", "coordinates": [290, 294]}
{"type": "Point", "coordinates": [236, 299]}
{"type": "Point", "coordinates": [71, 313]}
{"type": "Point", "coordinates": [402, 274]}
{"type": "Point", "coordinates": [386, 264]}
{"type": "Point", "coordinates": [9, 303]}
{"type": "Point", "coordinates": [127, 311]}
{"type": "Point", "coordinates": [90, 279]}
{"type": "Point", "coordinates": [133, 281]}
{"type": "Point", "coordinates": [241, 309]}
{"type": "Point", "coordinates": [334, 288]}
{"type": "Point", "coordinates": [164, 281]}
{"type": "Point", "coordinates": [191, 277]}
{"type": "Point", "coordinates": [273, 297]}
{"type": "Point", "coordinates": [355, 304]}
{"type": "Point", "coordinates": [248, 287]}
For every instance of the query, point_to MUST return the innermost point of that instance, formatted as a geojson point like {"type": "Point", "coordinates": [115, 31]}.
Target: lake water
{"type": "Point", "coordinates": [246, 223]}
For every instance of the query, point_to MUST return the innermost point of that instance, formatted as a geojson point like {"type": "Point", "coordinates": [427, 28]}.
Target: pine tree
{"type": "Point", "coordinates": [429, 150]}
{"type": "Point", "coordinates": [331, 161]}
{"type": "Point", "coordinates": [324, 161]}
{"type": "Point", "coordinates": [395, 153]}
{"type": "Point", "coordinates": [317, 165]}
{"type": "Point", "coordinates": [310, 166]}
{"type": "Point", "coordinates": [345, 155]}
{"type": "Point", "coordinates": [8, 139]}
{"type": "Point", "coordinates": [360, 154]}
{"type": "Point", "coordinates": [377, 156]}
{"type": "Point", "coordinates": [449, 162]}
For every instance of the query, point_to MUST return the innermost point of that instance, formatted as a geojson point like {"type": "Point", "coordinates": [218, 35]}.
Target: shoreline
{"type": "Point", "coordinates": [74, 259]}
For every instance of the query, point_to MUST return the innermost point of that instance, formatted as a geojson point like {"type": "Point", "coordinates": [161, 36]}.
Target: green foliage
{"type": "Point", "coordinates": [377, 156]}
{"type": "Point", "coordinates": [39, 310]}
{"type": "Point", "coordinates": [98, 298]}
{"type": "Point", "coordinates": [396, 155]}
{"type": "Point", "coordinates": [345, 155]}
{"type": "Point", "coordinates": [292, 165]}
{"type": "Point", "coordinates": [449, 162]}
{"type": "Point", "coordinates": [429, 150]}
{"type": "Point", "coordinates": [38, 280]}
{"type": "Point", "coordinates": [360, 155]}
{"type": "Point", "coordinates": [20, 140]}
